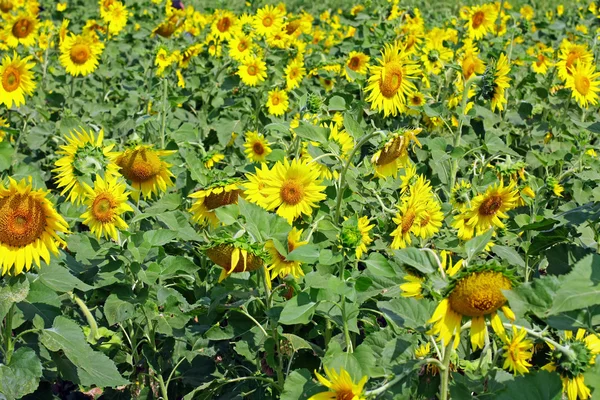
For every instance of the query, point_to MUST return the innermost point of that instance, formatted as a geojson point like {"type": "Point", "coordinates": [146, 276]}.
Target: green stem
{"type": "Point", "coordinates": [163, 119]}
{"type": "Point", "coordinates": [88, 316]}
{"type": "Point", "coordinates": [445, 372]}
{"type": "Point", "coordinates": [72, 87]}
{"type": "Point", "coordinates": [349, 346]}
{"type": "Point", "coordinates": [273, 327]}
{"type": "Point", "coordinates": [342, 181]}
{"type": "Point", "coordinates": [328, 330]}
{"type": "Point", "coordinates": [540, 335]}
{"type": "Point", "coordinates": [8, 341]}
{"type": "Point", "coordinates": [163, 387]}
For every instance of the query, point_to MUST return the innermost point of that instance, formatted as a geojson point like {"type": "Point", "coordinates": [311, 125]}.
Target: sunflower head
{"type": "Point", "coordinates": [487, 85]}
{"type": "Point", "coordinates": [216, 195]}
{"type": "Point", "coordinates": [350, 236]}
{"type": "Point", "coordinates": [235, 255]}
{"type": "Point", "coordinates": [576, 364]}
{"type": "Point", "coordinates": [144, 167]}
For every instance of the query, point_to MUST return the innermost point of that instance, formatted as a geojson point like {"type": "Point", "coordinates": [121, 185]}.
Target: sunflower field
{"type": "Point", "coordinates": [331, 200]}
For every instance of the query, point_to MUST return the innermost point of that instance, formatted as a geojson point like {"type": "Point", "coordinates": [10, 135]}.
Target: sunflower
{"type": "Point", "coordinates": [407, 219]}
{"type": "Point", "coordinates": [278, 102]}
{"type": "Point", "coordinates": [413, 286]}
{"type": "Point", "coordinates": [394, 154]}
{"type": "Point", "coordinates": [212, 158]}
{"type": "Point", "coordinates": [389, 83]}
{"type": "Point", "coordinates": [460, 194]}
{"type": "Point", "coordinates": [584, 84]}
{"type": "Point", "coordinates": [480, 20]}
{"type": "Point", "coordinates": [586, 346]}
{"type": "Point", "coordinates": [144, 168]}
{"type": "Point", "coordinates": [252, 71]}
{"type": "Point", "coordinates": [79, 54]}
{"type": "Point", "coordinates": [257, 147]}
{"type": "Point", "coordinates": [116, 17]}
{"type": "Point", "coordinates": [21, 29]}
{"type": "Point", "coordinates": [543, 56]}
{"type": "Point", "coordinates": [82, 156]}
{"type": "Point", "coordinates": [280, 265]}
{"type": "Point", "coordinates": [293, 189]}
{"type": "Point", "coordinates": [106, 201]}
{"type": "Point", "coordinates": [358, 62]}
{"type": "Point", "coordinates": [469, 62]}
{"type": "Point", "coordinates": [241, 47]}
{"type": "Point", "coordinates": [341, 386]}
{"type": "Point", "coordinates": [17, 80]}
{"type": "Point", "coordinates": [28, 227]}
{"type": "Point", "coordinates": [569, 55]}
{"type": "Point", "coordinates": [216, 195]}
{"type": "Point", "coordinates": [268, 20]}
{"type": "Point", "coordinates": [355, 235]}
{"type": "Point", "coordinates": [487, 209]}
{"type": "Point", "coordinates": [517, 351]}
{"type": "Point", "coordinates": [3, 124]}
{"type": "Point", "coordinates": [435, 55]}
{"type": "Point", "coordinates": [475, 295]}
{"type": "Point", "coordinates": [235, 255]}
{"type": "Point", "coordinates": [223, 21]}
{"type": "Point", "coordinates": [254, 187]}
{"type": "Point", "coordinates": [294, 72]}
{"type": "Point", "coordinates": [501, 83]}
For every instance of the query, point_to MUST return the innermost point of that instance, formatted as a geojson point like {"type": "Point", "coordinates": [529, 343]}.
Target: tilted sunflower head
{"type": "Point", "coordinates": [487, 86]}
{"type": "Point", "coordinates": [575, 364]}
{"type": "Point", "coordinates": [235, 255]}
{"type": "Point", "coordinates": [314, 103]}
{"type": "Point", "coordinates": [351, 235]}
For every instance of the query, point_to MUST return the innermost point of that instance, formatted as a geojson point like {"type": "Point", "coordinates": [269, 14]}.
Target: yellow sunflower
{"type": "Point", "coordinates": [586, 346]}
{"type": "Point", "coordinates": [257, 147]}
{"type": "Point", "coordinates": [268, 20]}
{"type": "Point", "coordinates": [517, 351]}
{"type": "Point", "coordinates": [469, 62]}
{"type": "Point", "coordinates": [358, 62]}
{"type": "Point", "coordinates": [474, 296]}
{"type": "Point", "coordinates": [217, 195]}
{"type": "Point", "coordinates": [79, 54]}
{"type": "Point", "coordinates": [501, 83]}
{"type": "Point", "coordinates": [3, 124]}
{"type": "Point", "coordinates": [389, 83]}
{"type": "Point", "coordinates": [278, 102]}
{"type": "Point", "coordinates": [17, 80]}
{"type": "Point", "coordinates": [280, 265]}
{"type": "Point", "coordinates": [241, 47]}
{"type": "Point", "coordinates": [82, 156]}
{"type": "Point", "coordinates": [480, 20]}
{"type": "Point", "coordinates": [105, 202]}
{"type": "Point", "coordinates": [584, 83]}
{"type": "Point", "coordinates": [29, 227]}
{"type": "Point", "coordinates": [394, 154]}
{"type": "Point", "coordinates": [408, 219]}
{"type": "Point", "coordinates": [569, 55]}
{"type": "Point", "coordinates": [435, 55]}
{"type": "Point", "coordinates": [116, 17]}
{"type": "Point", "coordinates": [223, 22]}
{"type": "Point", "coordinates": [293, 189]}
{"type": "Point", "coordinates": [355, 235]}
{"type": "Point", "coordinates": [341, 386]}
{"type": "Point", "coordinates": [252, 71]}
{"type": "Point", "coordinates": [294, 72]}
{"type": "Point", "coordinates": [143, 167]}
{"type": "Point", "coordinates": [235, 256]}
{"type": "Point", "coordinates": [21, 29]}
{"type": "Point", "coordinates": [254, 187]}
{"type": "Point", "coordinates": [413, 286]}
{"type": "Point", "coordinates": [212, 158]}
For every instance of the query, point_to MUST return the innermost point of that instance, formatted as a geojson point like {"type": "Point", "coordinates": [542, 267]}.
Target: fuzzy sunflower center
{"type": "Point", "coordinates": [490, 206]}
{"type": "Point", "coordinates": [468, 67]}
{"type": "Point", "coordinates": [478, 18]}
{"type": "Point", "coordinates": [22, 28]}
{"type": "Point", "coordinates": [292, 26]}
{"type": "Point", "coordinates": [354, 63]}
{"type": "Point", "coordinates": [6, 5]}
{"type": "Point", "coordinates": [571, 58]}
{"type": "Point", "coordinates": [102, 208]}
{"type": "Point", "coordinates": [267, 21]}
{"type": "Point", "coordinates": [344, 395]}
{"type": "Point", "coordinates": [294, 73]}
{"type": "Point", "coordinates": [216, 200]}
{"type": "Point", "coordinates": [22, 220]}
{"type": "Point", "coordinates": [252, 70]}
{"type": "Point", "coordinates": [292, 192]}
{"type": "Point", "coordinates": [221, 255]}
{"type": "Point", "coordinates": [224, 24]}
{"type": "Point", "coordinates": [391, 152]}
{"type": "Point", "coordinates": [479, 294]}
{"type": "Point", "coordinates": [392, 79]}
{"type": "Point", "coordinates": [11, 79]}
{"type": "Point", "coordinates": [275, 100]}
{"type": "Point", "coordinates": [80, 53]}
{"type": "Point", "coordinates": [258, 148]}
{"type": "Point", "coordinates": [540, 60]}
{"type": "Point", "coordinates": [140, 166]}
{"type": "Point", "coordinates": [408, 221]}
{"type": "Point", "coordinates": [415, 101]}
{"type": "Point", "coordinates": [582, 84]}
{"type": "Point", "coordinates": [242, 46]}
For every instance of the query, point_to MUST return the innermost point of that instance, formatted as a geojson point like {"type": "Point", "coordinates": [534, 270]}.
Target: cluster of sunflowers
{"type": "Point", "coordinates": [381, 149]}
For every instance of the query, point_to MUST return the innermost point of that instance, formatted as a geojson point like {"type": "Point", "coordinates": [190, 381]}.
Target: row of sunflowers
{"type": "Point", "coordinates": [386, 200]}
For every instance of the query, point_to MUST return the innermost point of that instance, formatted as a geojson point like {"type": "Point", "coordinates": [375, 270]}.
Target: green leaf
{"type": "Point", "coordinates": [93, 368]}
{"type": "Point", "coordinates": [352, 126]}
{"type": "Point", "coordinates": [6, 155]}
{"type": "Point", "coordinates": [337, 103]}
{"type": "Point", "coordinates": [159, 238]}
{"type": "Point", "coordinates": [228, 214]}
{"type": "Point", "coordinates": [408, 312]}
{"type": "Point", "coordinates": [477, 244]}
{"type": "Point", "coordinates": [298, 310]}
{"type": "Point", "coordinates": [533, 297]}
{"type": "Point", "coordinates": [60, 279]}
{"type": "Point", "coordinates": [542, 385]}
{"type": "Point", "coordinates": [309, 253]}
{"type": "Point", "coordinates": [15, 291]}
{"type": "Point", "coordinates": [300, 385]}
{"type": "Point", "coordinates": [311, 132]}
{"type": "Point", "coordinates": [377, 264]}
{"type": "Point", "coordinates": [422, 260]}
{"type": "Point", "coordinates": [580, 288]}
{"type": "Point", "coordinates": [22, 375]}
{"type": "Point", "coordinates": [117, 310]}
{"type": "Point", "coordinates": [297, 342]}
{"type": "Point", "coordinates": [509, 254]}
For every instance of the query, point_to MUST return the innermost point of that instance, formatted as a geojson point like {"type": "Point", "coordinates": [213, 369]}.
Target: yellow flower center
{"type": "Point", "coordinates": [258, 148]}
{"type": "Point", "coordinates": [216, 200]}
{"type": "Point", "coordinates": [140, 165]}
{"type": "Point", "coordinates": [252, 70]}
{"type": "Point", "coordinates": [292, 192]}
{"type": "Point", "coordinates": [479, 294]}
{"type": "Point", "coordinates": [292, 26]}
{"type": "Point", "coordinates": [6, 5]}
{"type": "Point", "coordinates": [22, 220]}
{"type": "Point", "coordinates": [224, 24]}
{"type": "Point", "coordinates": [391, 152]}
{"type": "Point", "coordinates": [242, 46]}
{"type": "Point", "coordinates": [408, 220]}
{"type": "Point", "coordinates": [275, 99]}
{"type": "Point", "coordinates": [571, 58]}
{"type": "Point", "coordinates": [392, 79]}
{"type": "Point", "coordinates": [540, 60]}
{"type": "Point", "coordinates": [80, 53]}
{"type": "Point", "coordinates": [22, 28]}
{"type": "Point", "coordinates": [344, 395]}
{"type": "Point", "coordinates": [582, 84]}
{"type": "Point", "coordinates": [102, 208]}
{"type": "Point", "coordinates": [11, 79]}
{"type": "Point", "coordinates": [267, 21]}
{"type": "Point", "coordinates": [477, 20]}
{"type": "Point", "coordinates": [415, 101]}
{"type": "Point", "coordinates": [354, 63]}
{"type": "Point", "coordinates": [221, 255]}
{"type": "Point", "coordinates": [490, 206]}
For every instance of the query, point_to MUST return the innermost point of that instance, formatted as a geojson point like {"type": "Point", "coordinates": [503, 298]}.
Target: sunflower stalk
{"type": "Point", "coordinates": [445, 371]}
{"type": "Point", "coordinates": [163, 117]}
{"type": "Point", "coordinates": [273, 327]}
{"type": "Point", "coordinates": [9, 344]}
